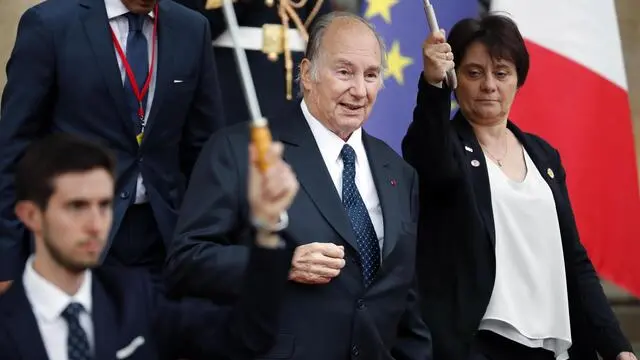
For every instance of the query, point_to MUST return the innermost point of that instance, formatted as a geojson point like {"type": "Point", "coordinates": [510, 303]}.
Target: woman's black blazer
{"type": "Point", "coordinates": [455, 255]}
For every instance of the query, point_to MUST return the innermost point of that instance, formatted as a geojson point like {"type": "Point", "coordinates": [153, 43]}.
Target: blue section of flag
{"type": "Point", "coordinates": [393, 110]}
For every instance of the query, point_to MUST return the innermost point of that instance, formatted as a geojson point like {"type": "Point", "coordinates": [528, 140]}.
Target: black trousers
{"type": "Point", "coordinates": [138, 243]}
{"type": "Point", "coordinates": [488, 345]}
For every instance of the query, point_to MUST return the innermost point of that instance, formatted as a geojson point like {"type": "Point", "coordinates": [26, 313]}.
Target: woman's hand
{"type": "Point", "coordinates": [437, 58]}
{"type": "Point", "coordinates": [270, 193]}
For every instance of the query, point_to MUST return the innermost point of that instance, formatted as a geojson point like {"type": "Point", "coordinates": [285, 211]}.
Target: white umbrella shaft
{"type": "Point", "coordinates": [243, 64]}
{"type": "Point", "coordinates": [452, 80]}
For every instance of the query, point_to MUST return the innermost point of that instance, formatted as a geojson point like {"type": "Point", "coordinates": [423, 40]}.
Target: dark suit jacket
{"type": "Point", "coordinates": [63, 77]}
{"type": "Point", "coordinates": [268, 76]}
{"type": "Point", "coordinates": [339, 320]}
{"type": "Point", "coordinates": [125, 306]}
{"type": "Point", "coordinates": [456, 258]}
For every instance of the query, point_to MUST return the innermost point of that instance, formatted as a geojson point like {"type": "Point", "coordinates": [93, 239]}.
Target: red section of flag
{"type": "Point", "coordinates": [587, 118]}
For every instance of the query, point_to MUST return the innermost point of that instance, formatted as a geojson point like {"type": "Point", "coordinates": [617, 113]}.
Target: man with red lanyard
{"type": "Point", "coordinates": [136, 75]}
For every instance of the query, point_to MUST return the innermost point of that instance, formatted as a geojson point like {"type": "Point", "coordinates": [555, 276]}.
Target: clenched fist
{"type": "Point", "coordinates": [437, 58]}
{"type": "Point", "coordinates": [316, 263]}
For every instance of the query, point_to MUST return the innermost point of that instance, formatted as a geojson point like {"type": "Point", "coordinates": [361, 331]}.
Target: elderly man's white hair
{"type": "Point", "coordinates": [313, 53]}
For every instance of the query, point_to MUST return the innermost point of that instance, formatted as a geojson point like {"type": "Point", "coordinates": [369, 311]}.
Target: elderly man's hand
{"type": "Point", "coordinates": [437, 58]}
{"type": "Point", "coordinates": [316, 263]}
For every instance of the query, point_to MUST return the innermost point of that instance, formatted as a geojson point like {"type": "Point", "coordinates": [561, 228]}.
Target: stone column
{"type": "Point", "coordinates": [629, 23]}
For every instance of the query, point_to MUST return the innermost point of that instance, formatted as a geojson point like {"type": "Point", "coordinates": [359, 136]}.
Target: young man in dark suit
{"type": "Point", "coordinates": [64, 307]}
{"type": "Point", "coordinates": [351, 293]}
{"type": "Point", "coordinates": [137, 75]}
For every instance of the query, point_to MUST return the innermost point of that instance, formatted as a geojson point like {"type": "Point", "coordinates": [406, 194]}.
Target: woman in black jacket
{"type": "Point", "coordinates": [502, 271]}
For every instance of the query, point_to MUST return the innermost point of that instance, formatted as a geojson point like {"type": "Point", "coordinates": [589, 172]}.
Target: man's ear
{"type": "Point", "coordinates": [30, 215]}
{"type": "Point", "coordinates": [305, 74]}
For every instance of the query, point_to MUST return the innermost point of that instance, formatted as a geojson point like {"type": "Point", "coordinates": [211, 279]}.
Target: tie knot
{"type": "Point", "coordinates": [348, 155]}
{"type": "Point", "coordinates": [135, 21]}
{"type": "Point", "coordinates": [72, 312]}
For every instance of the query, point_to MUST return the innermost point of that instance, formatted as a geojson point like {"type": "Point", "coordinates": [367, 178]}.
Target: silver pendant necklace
{"type": "Point", "coordinates": [506, 151]}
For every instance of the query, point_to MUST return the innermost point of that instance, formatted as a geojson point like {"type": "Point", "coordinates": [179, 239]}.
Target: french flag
{"type": "Point", "coordinates": [576, 98]}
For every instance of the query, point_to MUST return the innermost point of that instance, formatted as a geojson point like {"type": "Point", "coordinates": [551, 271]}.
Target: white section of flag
{"type": "Point", "coordinates": [585, 31]}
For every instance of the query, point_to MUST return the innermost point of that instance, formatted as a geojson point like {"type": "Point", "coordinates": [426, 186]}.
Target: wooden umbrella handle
{"type": "Point", "coordinates": [261, 139]}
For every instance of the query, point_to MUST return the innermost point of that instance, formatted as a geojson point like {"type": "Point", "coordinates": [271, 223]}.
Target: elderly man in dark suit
{"type": "Point", "coordinates": [351, 293]}
{"type": "Point", "coordinates": [62, 308]}
{"type": "Point", "coordinates": [137, 75]}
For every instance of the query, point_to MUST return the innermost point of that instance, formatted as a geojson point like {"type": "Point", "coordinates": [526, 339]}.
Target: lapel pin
{"type": "Point", "coordinates": [468, 148]}
{"type": "Point", "coordinates": [475, 163]}
{"type": "Point", "coordinates": [550, 173]}
{"type": "Point", "coordinates": [394, 182]}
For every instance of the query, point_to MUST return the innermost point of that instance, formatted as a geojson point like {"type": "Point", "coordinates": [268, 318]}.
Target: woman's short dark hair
{"type": "Point", "coordinates": [499, 34]}
{"type": "Point", "coordinates": [53, 156]}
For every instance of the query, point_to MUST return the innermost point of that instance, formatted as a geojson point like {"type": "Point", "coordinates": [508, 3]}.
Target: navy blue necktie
{"type": "Point", "coordinates": [138, 57]}
{"type": "Point", "coordinates": [77, 342]}
{"type": "Point", "coordinates": [366, 237]}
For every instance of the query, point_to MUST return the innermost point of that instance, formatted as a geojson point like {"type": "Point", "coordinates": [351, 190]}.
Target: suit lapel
{"type": "Point", "coordinates": [479, 175]}
{"type": "Point", "coordinates": [23, 324]}
{"type": "Point", "coordinates": [105, 323]}
{"type": "Point", "coordinates": [167, 35]}
{"type": "Point", "coordinates": [474, 163]}
{"type": "Point", "coordinates": [549, 170]}
{"type": "Point", "coordinates": [541, 161]}
{"type": "Point", "coordinates": [303, 155]}
{"type": "Point", "coordinates": [96, 26]}
{"type": "Point", "coordinates": [385, 183]}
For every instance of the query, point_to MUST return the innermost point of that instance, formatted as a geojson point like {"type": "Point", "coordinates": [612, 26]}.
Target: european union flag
{"type": "Point", "coordinates": [403, 25]}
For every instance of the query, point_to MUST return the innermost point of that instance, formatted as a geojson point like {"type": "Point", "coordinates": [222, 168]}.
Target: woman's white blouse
{"type": "Point", "coordinates": [529, 303]}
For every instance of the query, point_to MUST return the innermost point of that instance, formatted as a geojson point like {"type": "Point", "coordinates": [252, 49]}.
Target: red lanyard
{"type": "Point", "coordinates": [132, 79]}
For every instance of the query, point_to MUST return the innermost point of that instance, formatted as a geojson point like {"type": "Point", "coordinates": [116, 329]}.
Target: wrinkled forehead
{"type": "Point", "coordinates": [349, 42]}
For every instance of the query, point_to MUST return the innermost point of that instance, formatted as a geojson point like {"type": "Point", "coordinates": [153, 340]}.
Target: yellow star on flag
{"type": "Point", "coordinates": [396, 63]}
{"type": "Point", "coordinates": [380, 7]}
{"type": "Point", "coordinates": [454, 105]}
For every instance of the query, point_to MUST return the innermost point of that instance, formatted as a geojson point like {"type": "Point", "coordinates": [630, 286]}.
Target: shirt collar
{"type": "Point", "coordinates": [47, 299]}
{"type": "Point", "coordinates": [330, 144]}
{"type": "Point", "coordinates": [116, 8]}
